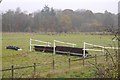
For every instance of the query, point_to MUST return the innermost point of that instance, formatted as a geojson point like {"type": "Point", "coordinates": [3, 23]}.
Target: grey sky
{"type": "Point", "coordinates": [34, 5]}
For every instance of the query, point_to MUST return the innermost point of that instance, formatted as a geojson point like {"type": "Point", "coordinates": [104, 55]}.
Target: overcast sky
{"type": "Point", "coordinates": [34, 5]}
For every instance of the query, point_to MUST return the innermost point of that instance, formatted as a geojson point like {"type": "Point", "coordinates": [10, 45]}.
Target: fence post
{"type": "Point", "coordinates": [30, 44]}
{"type": "Point", "coordinates": [68, 59]}
{"type": "Point", "coordinates": [34, 69]}
{"type": "Point", "coordinates": [83, 60]}
{"type": "Point", "coordinates": [84, 50]}
{"type": "Point", "coordinates": [106, 57]}
{"type": "Point", "coordinates": [103, 50]}
{"type": "Point", "coordinates": [12, 71]}
{"type": "Point", "coordinates": [53, 64]}
{"type": "Point", "coordinates": [95, 59]}
{"type": "Point", "coordinates": [69, 62]}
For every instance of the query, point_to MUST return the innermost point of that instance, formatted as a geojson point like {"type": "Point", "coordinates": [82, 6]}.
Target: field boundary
{"type": "Point", "coordinates": [12, 69]}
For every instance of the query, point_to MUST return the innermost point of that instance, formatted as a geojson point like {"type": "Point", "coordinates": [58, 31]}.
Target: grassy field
{"type": "Point", "coordinates": [25, 57]}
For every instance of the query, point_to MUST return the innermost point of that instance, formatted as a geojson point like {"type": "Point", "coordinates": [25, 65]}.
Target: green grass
{"type": "Point", "coordinates": [25, 58]}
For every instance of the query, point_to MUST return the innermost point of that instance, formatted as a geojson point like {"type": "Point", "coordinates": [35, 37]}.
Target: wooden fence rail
{"type": "Point", "coordinates": [52, 63]}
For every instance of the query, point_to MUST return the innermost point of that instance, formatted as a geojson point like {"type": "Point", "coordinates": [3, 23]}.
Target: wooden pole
{"type": "Point", "coordinates": [34, 69]}
{"type": "Point", "coordinates": [106, 57]}
{"type": "Point", "coordinates": [12, 72]}
{"type": "Point", "coordinates": [68, 59]}
{"type": "Point", "coordinates": [53, 64]}
{"type": "Point", "coordinates": [30, 44]}
{"type": "Point", "coordinates": [69, 62]}
{"type": "Point", "coordinates": [83, 60]}
{"type": "Point", "coordinates": [95, 59]}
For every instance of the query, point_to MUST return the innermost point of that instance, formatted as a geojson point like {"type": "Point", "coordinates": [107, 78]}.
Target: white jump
{"type": "Point", "coordinates": [111, 48]}
{"type": "Point", "coordinates": [31, 44]}
{"type": "Point", "coordinates": [72, 44]}
{"type": "Point", "coordinates": [94, 45]}
{"type": "Point", "coordinates": [41, 41]}
{"type": "Point", "coordinates": [65, 43]}
{"type": "Point", "coordinates": [93, 50]}
{"type": "Point", "coordinates": [84, 48]}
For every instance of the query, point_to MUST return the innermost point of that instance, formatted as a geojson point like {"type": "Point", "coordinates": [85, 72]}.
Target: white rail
{"type": "Point", "coordinates": [41, 41]}
{"type": "Point", "coordinates": [111, 48]}
{"type": "Point", "coordinates": [31, 44]}
{"type": "Point", "coordinates": [84, 48]}
{"type": "Point", "coordinates": [73, 45]}
{"type": "Point", "coordinates": [93, 50]}
{"type": "Point", "coordinates": [94, 45]}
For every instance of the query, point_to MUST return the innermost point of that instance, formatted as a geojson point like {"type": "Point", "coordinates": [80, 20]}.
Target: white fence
{"type": "Point", "coordinates": [71, 44]}
{"type": "Point", "coordinates": [56, 41]}
{"type": "Point", "coordinates": [102, 48]}
{"type": "Point", "coordinates": [32, 44]}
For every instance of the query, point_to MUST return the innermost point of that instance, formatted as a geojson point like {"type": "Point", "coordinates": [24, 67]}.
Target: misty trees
{"type": "Point", "coordinates": [110, 22]}
{"type": "Point", "coordinates": [45, 20]}
{"type": "Point", "coordinates": [7, 21]}
{"type": "Point", "coordinates": [65, 21]}
{"type": "Point", "coordinates": [15, 21]}
{"type": "Point", "coordinates": [54, 20]}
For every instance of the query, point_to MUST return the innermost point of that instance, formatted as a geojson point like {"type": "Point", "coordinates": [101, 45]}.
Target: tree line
{"type": "Point", "coordinates": [56, 20]}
